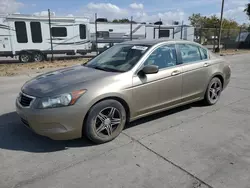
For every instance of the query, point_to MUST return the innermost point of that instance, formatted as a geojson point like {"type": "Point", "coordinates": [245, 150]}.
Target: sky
{"type": "Point", "coordinates": [141, 10]}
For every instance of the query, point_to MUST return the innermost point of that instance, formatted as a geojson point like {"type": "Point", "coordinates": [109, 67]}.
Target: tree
{"type": "Point", "coordinates": [208, 27]}
{"type": "Point", "coordinates": [124, 20]}
{"type": "Point", "coordinates": [247, 10]}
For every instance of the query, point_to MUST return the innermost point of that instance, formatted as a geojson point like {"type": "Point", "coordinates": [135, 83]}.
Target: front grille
{"type": "Point", "coordinates": [25, 100]}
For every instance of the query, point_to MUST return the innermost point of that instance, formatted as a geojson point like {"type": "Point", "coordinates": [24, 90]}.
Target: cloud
{"type": "Point", "coordinates": [166, 17]}
{"type": "Point", "coordinates": [136, 6]}
{"type": "Point", "coordinates": [9, 6]}
{"type": "Point", "coordinates": [112, 11]}
{"type": "Point", "coordinates": [44, 13]}
{"type": "Point", "coordinates": [106, 10]}
{"type": "Point", "coordinates": [237, 14]}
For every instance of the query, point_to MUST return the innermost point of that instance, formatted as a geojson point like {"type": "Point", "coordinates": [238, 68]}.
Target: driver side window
{"type": "Point", "coordinates": [163, 57]}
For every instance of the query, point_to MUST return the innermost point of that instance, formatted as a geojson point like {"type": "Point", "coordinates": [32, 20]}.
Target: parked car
{"type": "Point", "coordinates": [97, 99]}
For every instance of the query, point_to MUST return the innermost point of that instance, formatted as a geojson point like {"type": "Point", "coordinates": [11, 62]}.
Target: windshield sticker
{"type": "Point", "coordinates": [142, 48]}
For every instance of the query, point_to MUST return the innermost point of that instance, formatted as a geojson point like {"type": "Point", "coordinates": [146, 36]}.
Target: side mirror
{"type": "Point", "coordinates": [150, 69]}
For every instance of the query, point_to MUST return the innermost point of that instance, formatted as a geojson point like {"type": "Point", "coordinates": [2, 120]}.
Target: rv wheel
{"type": "Point", "coordinates": [24, 58]}
{"type": "Point", "coordinates": [38, 57]}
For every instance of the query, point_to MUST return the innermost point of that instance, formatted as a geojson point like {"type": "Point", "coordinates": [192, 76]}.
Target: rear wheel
{"type": "Point", "coordinates": [213, 92]}
{"type": "Point", "coordinates": [105, 121]}
{"type": "Point", "coordinates": [25, 58]}
{"type": "Point", "coordinates": [38, 57]}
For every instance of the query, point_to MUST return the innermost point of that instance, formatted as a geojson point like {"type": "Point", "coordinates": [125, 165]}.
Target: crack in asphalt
{"type": "Point", "coordinates": [169, 161]}
{"type": "Point", "coordinates": [64, 167]}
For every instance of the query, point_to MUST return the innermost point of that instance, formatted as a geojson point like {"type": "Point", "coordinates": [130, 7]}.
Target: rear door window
{"type": "Point", "coordinates": [189, 53]}
{"type": "Point", "coordinates": [204, 53]}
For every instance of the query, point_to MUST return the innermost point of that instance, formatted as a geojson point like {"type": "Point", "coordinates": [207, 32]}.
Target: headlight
{"type": "Point", "coordinates": [62, 100]}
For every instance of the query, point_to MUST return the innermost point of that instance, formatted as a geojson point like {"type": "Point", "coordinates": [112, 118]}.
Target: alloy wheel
{"type": "Point", "coordinates": [107, 121]}
{"type": "Point", "coordinates": [214, 91]}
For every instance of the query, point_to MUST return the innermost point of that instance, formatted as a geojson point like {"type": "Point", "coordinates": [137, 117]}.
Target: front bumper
{"type": "Point", "coordinates": [63, 123]}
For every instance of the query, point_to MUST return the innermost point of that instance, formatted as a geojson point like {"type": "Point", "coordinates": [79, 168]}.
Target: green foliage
{"type": "Point", "coordinates": [247, 10]}
{"type": "Point", "coordinates": [211, 22]}
{"type": "Point", "coordinates": [124, 20]}
{"type": "Point", "coordinates": [208, 27]}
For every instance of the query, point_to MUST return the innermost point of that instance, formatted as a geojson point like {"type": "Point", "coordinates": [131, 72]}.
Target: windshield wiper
{"type": "Point", "coordinates": [105, 69]}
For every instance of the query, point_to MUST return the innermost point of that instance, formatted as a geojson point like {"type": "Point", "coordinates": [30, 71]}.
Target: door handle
{"type": "Point", "coordinates": [176, 72]}
{"type": "Point", "coordinates": [206, 65]}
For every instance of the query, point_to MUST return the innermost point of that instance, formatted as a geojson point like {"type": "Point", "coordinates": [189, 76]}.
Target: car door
{"type": "Point", "coordinates": [153, 92]}
{"type": "Point", "coordinates": [195, 69]}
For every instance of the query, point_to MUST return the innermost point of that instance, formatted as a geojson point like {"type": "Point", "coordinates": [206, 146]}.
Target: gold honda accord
{"type": "Point", "coordinates": [128, 81]}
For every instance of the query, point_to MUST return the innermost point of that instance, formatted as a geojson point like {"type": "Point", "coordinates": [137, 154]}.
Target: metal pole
{"type": "Point", "coordinates": [239, 37]}
{"type": "Point", "coordinates": [159, 30]}
{"type": "Point", "coordinates": [182, 29]}
{"type": "Point", "coordinates": [131, 26]}
{"type": "Point", "coordinates": [221, 21]}
{"type": "Point", "coordinates": [215, 33]}
{"type": "Point", "coordinates": [96, 46]}
{"type": "Point", "coordinates": [51, 44]}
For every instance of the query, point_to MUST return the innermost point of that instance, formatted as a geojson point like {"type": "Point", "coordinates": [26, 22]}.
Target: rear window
{"type": "Point", "coordinates": [164, 33]}
{"type": "Point", "coordinates": [82, 29]}
{"type": "Point", "coordinates": [59, 31]}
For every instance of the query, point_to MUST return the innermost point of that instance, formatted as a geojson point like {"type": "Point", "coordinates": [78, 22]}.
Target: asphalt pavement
{"type": "Point", "coordinates": [188, 147]}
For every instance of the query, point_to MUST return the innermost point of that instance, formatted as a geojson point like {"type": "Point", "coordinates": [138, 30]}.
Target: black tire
{"type": "Point", "coordinates": [211, 91]}
{"type": "Point", "coordinates": [38, 57]}
{"type": "Point", "coordinates": [83, 53]}
{"type": "Point", "coordinates": [25, 57]}
{"type": "Point", "coordinates": [90, 129]}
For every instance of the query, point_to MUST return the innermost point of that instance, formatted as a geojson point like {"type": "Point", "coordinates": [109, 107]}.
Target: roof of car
{"type": "Point", "coordinates": [152, 42]}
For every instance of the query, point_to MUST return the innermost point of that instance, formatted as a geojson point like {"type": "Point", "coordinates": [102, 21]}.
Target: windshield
{"type": "Point", "coordinates": [118, 58]}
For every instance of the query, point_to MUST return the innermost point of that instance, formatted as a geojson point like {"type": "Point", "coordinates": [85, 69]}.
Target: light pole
{"type": "Point", "coordinates": [221, 21]}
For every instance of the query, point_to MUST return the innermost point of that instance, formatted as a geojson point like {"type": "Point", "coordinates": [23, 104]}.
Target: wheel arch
{"type": "Point", "coordinates": [220, 76]}
{"type": "Point", "coordinates": [113, 97]}
{"type": "Point", "coordinates": [29, 51]}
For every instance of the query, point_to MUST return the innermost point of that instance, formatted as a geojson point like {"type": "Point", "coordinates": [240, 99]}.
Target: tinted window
{"type": "Point", "coordinates": [36, 32]}
{"type": "Point", "coordinates": [189, 53]}
{"type": "Point", "coordinates": [163, 57]}
{"type": "Point", "coordinates": [204, 54]}
{"type": "Point", "coordinates": [164, 33]}
{"type": "Point", "coordinates": [59, 31]}
{"type": "Point", "coordinates": [21, 32]}
{"type": "Point", "coordinates": [82, 29]}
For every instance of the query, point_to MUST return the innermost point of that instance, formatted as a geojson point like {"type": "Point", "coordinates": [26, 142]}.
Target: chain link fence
{"type": "Point", "coordinates": [230, 38]}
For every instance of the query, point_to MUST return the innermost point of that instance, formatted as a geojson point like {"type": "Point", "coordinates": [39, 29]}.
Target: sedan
{"type": "Point", "coordinates": [128, 81]}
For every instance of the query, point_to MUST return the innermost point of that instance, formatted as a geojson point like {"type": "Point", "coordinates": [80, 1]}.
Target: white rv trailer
{"type": "Point", "coordinates": [108, 32]}
{"type": "Point", "coordinates": [29, 36]}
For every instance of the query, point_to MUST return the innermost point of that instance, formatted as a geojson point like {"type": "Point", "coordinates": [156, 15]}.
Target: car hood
{"type": "Point", "coordinates": [49, 83]}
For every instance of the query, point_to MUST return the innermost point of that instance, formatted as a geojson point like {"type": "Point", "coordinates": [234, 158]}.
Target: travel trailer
{"type": "Point", "coordinates": [108, 32]}
{"type": "Point", "coordinates": [28, 36]}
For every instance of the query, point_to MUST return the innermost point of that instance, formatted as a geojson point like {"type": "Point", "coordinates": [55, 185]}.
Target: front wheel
{"type": "Point", "coordinates": [105, 121]}
{"type": "Point", "coordinates": [24, 58]}
{"type": "Point", "coordinates": [213, 92]}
